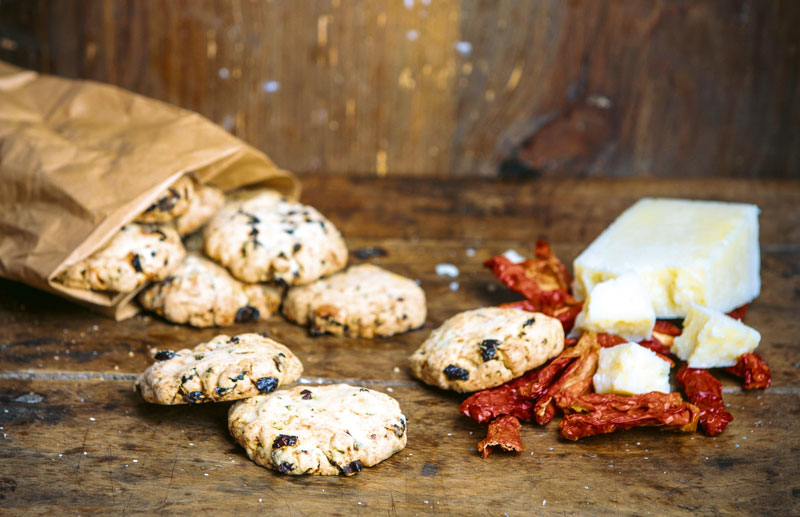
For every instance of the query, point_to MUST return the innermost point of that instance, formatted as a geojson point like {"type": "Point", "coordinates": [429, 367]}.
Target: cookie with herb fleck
{"type": "Point", "coordinates": [486, 347]}
{"type": "Point", "coordinates": [207, 200]}
{"type": "Point", "coordinates": [319, 430]}
{"type": "Point", "coordinates": [172, 203]}
{"type": "Point", "coordinates": [225, 368]}
{"type": "Point", "coordinates": [364, 300]}
{"type": "Point", "coordinates": [262, 237]}
{"type": "Point", "coordinates": [202, 293]}
{"type": "Point", "coordinates": [137, 254]}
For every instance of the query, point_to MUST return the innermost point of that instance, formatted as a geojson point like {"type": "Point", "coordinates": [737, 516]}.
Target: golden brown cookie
{"type": "Point", "coordinates": [137, 254]}
{"type": "Point", "coordinates": [262, 237]}
{"type": "Point", "coordinates": [203, 294]}
{"type": "Point", "coordinates": [364, 300]}
{"type": "Point", "coordinates": [486, 347]}
{"type": "Point", "coordinates": [225, 368]}
{"type": "Point", "coordinates": [319, 430]}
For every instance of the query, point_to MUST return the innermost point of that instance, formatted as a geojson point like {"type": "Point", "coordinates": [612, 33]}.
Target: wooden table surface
{"type": "Point", "coordinates": [76, 439]}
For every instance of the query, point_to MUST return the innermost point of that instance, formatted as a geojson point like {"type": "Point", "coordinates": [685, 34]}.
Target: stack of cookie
{"type": "Point", "coordinates": [321, 430]}
{"type": "Point", "coordinates": [256, 245]}
{"type": "Point", "coordinates": [149, 248]}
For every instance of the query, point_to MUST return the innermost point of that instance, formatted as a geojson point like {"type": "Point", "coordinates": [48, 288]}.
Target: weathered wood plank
{"type": "Point", "coordinates": [140, 458]}
{"type": "Point", "coordinates": [461, 87]}
{"type": "Point", "coordinates": [61, 366]}
{"type": "Point", "coordinates": [56, 336]}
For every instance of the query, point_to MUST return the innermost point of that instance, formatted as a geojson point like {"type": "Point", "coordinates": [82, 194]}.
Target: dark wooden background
{"type": "Point", "coordinates": [679, 88]}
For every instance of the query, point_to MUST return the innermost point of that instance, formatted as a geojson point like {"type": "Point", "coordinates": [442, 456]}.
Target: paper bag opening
{"type": "Point", "coordinates": [80, 159]}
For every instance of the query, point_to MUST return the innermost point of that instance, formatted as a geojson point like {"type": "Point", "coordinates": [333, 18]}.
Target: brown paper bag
{"type": "Point", "coordinates": [79, 159]}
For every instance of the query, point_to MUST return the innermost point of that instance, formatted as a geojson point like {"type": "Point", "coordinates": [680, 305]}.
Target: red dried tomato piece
{"type": "Point", "coordinates": [503, 432]}
{"type": "Point", "coordinates": [544, 282]}
{"type": "Point", "coordinates": [754, 370]}
{"type": "Point", "coordinates": [576, 380]}
{"type": "Point", "coordinates": [502, 400]}
{"type": "Point", "coordinates": [739, 313]}
{"type": "Point", "coordinates": [595, 413]}
{"type": "Point", "coordinates": [702, 389]}
{"type": "Point", "coordinates": [515, 397]}
{"type": "Point", "coordinates": [609, 340]}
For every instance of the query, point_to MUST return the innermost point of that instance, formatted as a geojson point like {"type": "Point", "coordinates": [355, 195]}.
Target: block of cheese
{"type": "Point", "coordinates": [703, 252]}
{"type": "Point", "coordinates": [711, 339]}
{"type": "Point", "coordinates": [619, 306]}
{"type": "Point", "coordinates": [628, 369]}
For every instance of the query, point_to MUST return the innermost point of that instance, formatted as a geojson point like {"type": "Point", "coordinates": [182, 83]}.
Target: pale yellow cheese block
{"type": "Point", "coordinates": [619, 306]}
{"type": "Point", "coordinates": [711, 339]}
{"type": "Point", "coordinates": [703, 252]}
{"type": "Point", "coordinates": [629, 369]}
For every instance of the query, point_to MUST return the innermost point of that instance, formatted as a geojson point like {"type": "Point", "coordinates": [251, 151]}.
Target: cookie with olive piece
{"type": "Point", "coordinates": [225, 368]}
{"type": "Point", "coordinates": [319, 430]}
{"type": "Point", "coordinates": [486, 347]}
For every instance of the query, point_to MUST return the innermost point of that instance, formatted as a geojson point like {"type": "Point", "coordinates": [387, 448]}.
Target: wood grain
{"type": "Point", "coordinates": [645, 88]}
{"type": "Point", "coordinates": [76, 438]}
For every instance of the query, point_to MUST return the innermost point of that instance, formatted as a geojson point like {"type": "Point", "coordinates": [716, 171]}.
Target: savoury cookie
{"type": "Point", "coordinates": [206, 202]}
{"type": "Point", "coordinates": [172, 203]}
{"type": "Point", "coordinates": [137, 254]}
{"type": "Point", "coordinates": [262, 237]}
{"type": "Point", "coordinates": [319, 430]}
{"type": "Point", "coordinates": [363, 301]}
{"type": "Point", "coordinates": [486, 347]}
{"type": "Point", "coordinates": [225, 368]}
{"type": "Point", "coordinates": [203, 294]}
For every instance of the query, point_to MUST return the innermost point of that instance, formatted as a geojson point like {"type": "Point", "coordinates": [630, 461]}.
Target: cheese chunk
{"type": "Point", "coordinates": [685, 252]}
{"type": "Point", "coordinates": [620, 306]}
{"type": "Point", "coordinates": [711, 339]}
{"type": "Point", "coordinates": [629, 369]}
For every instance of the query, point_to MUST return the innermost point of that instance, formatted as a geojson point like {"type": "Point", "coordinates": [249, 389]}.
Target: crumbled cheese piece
{"type": "Point", "coordinates": [447, 270]}
{"type": "Point", "coordinates": [620, 306]}
{"type": "Point", "coordinates": [711, 339]}
{"type": "Point", "coordinates": [513, 256]}
{"type": "Point", "coordinates": [629, 369]}
{"type": "Point", "coordinates": [685, 252]}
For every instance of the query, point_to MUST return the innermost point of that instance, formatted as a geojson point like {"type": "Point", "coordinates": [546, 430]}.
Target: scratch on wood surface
{"type": "Point", "coordinates": [322, 30]}
{"type": "Point", "coordinates": [76, 376]}
{"type": "Point", "coordinates": [110, 476]}
{"type": "Point", "coordinates": [80, 458]}
{"type": "Point", "coordinates": [380, 163]}
{"type": "Point", "coordinates": [513, 79]}
{"type": "Point", "coordinates": [169, 485]}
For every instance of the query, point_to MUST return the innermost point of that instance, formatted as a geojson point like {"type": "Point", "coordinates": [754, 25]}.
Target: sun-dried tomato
{"type": "Point", "coordinates": [544, 282]}
{"type": "Point", "coordinates": [503, 432]}
{"type": "Point", "coordinates": [665, 333]}
{"type": "Point", "coordinates": [739, 313]}
{"type": "Point", "coordinates": [609, 340]}
{"type": "Point", "coordinates": [703, 390]}
{"type": "Point", "coordinates": [754, 370]}
{"type": "Point", "coordinates": [576, 380]}
{"type": "Point", "coordinates": [515, 397]}
{"type": "Point", "coordinates": [594, 413]}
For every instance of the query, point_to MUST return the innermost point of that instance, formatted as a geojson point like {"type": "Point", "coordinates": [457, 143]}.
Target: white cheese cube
{"type": "Point", "coordinates": [711, 339]}
{"type": "Point", "coordinates": [620, 306]}
{"type": "Point", "coordinates": [685, 252]}
{"type": "Point", "coordinates": [629, 369]}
